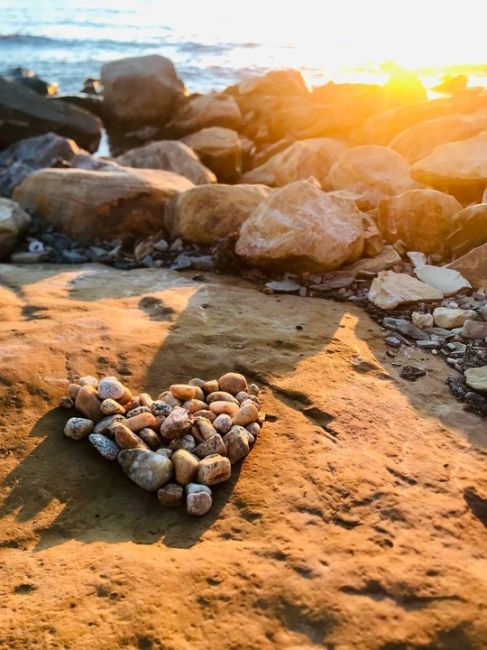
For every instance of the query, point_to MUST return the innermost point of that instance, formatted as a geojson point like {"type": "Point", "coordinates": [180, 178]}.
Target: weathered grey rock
{"type": "Point", "coordinates": [165, 451]}
{"type": "Point", "coordinates": [223, 423]}
{"type": "Point", "coordinates": [237, 443]}
{"type": "Point", "coordinates": [476, 378]}
{"type": "Point", "coordinates": [220, 149]}
{"type": "Point", "coordinates": [474, 329]}
{"type": "Point", "coordinates": [104, 446]}
{"type": "Point", "coordinates": [389, 289]}
{"type": "Point", "coordinates": [403, 326]}
{"type": "Point", "coordinates": [212, 445]}
{"type": "Point", "coordinates": [103, 426]}
{"type": "Point", "coordinates": [172, 156]}
{"type": "Point", "coordinates": [146, 468]}
{"type": "Point", "coordinates": [177, 423]}
{"type": "Point", "coordinates": [299, 227]}
{"type": "Point", "coordinates": [160, 408]}
{"type": "Point", "coordinates": [446, 280]}
{"type": "Point", "coordinates": [13, 224]}
{"type": "Point", "coordinates": [78, 428]}
{"type": "Point", "coordinates": [451, 318]}
{"type": "Point", "coordinates": [24, 113]}
{"type": "Point", "coordinates": [185, 466]}
{"type": "Point", "coordinates": [198, 499]}
{"type": "Point", "coordinates": [214, 469]}
{"type": "Point", "coordinates": [201, 111]}
{"type": "Point", "coordinates": [141, 90]}
{"type": "Point", "coordinates": [171, 495]}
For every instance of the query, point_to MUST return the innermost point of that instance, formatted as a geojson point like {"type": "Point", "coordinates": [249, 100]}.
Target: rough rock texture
{"type": "Point", "coordinates": [301, 227]}
{"type": "Point", "coordinates": [371, 171]}
{"type": "Point", "coordinates": [389, 290]}
{"type": "Point", "coordinates": [204, 214]}
{"type": "Point", "coordinates": [459, 168]}
{"type": "Point", "coordinates": [26, 156]}
{"type": "Point", "coordinates": [313, 157]}
{"type": "Point", "coordinates": [473, 266]}
{"type": "Point", "coordinates": [13, 223]}
{"type": "Point", "coordinates": [422, 219]}
{"type": "Point", "coordinates": [220, 149]}
{"type": "Point", "coordinates": [201, 111]}
{"type": "Point", "coordinates": [172, 156]}
{"type": "Point", "coordinates": [89, 204]}
{"type": "Point", "coordinates": [470, 229]}
{"type": "Point", "coordinates": [141, 90]}
{"type": "Point", "coordinates": [419, 140]}
{"type": "Point", "coordinates": [358, 515]}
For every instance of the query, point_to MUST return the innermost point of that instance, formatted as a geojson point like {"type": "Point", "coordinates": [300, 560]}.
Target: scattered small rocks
{"type": "Point", "coordinates": [412, 373]}
{"type": "Point", "coordinates": [177, 445]}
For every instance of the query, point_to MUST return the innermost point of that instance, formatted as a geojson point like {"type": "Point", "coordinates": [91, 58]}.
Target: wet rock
{"type": "Point", "coordinates": [86, 205]}
{"type": "Point", "coordinates": [237, 443]}
{"type": "Point", "coordinates": [185, 466]}
{"type": "Point", "coordinates": [212, 445]}
{"type": "Point", "coordinates": [171, 495]}
{"type": "Point", "coordinates": [104, 446]}
{"type": "Point", "coordinates": [87, 402]}
{"type": "Point", "coordinates": [150, 438]}
{"type": "Point", "coordinates": [299, 227]}
{"type": "Point", "coordinates": [220, 149]}
{"type": "Point", "coordinates": [207, 213]}
{"type": "Point", "coordinates": [233, 383]}
{"type": "Point", "coordinates": [421, 218]}
{"type": "Point", "coordinates": [198, 499]}
{"type": "Point", "coordinates": [177, 423]}
{"type": "Point", "coordinates": [24, 114]}
{"type": "Point", "coordinates": [476, 378]}
{"type": "Point", "coordinates": [473, 266]}
{"type": "Point", "coordinates": [13, 224]}
{"type": "Point", "coordinates": [147, 469]}
{"type": "Point", "coordinates": [170, 155]}
{"type": "Point", "coordinates": [412, 373]}
{"type": "Point", "coordinates": [202, 111]}
{"type": "Point", "coordinates": [389, 289]}
{"type": "Point", "coordinates": [474, 329]}
{"type": "Point", "coordinates": [451, 318]}
{"type": "Point", "coordinates": [78, 428]}
{"type": "Point", "coordinates": [372, 171]}
{"type": "Point", "coordinates": [470, 230]}
{"type": "Point", "coordinates": [247, 414]}
{"type": "Point", "coordinates": [446, 280]}
{"type": "Point", "coordinates": [214, 469]}
{"type": "Point", "coordinates": [142, 90]}
{"type": "Point", "coordinates": [299, 161]}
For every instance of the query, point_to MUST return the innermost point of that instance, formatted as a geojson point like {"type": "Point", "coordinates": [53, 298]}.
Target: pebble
{"type": "Point", "coordinates": [422, 320]}
{"type": "Point", "coordinates": [171, 495]}
{"type": "Point", "coordinates": [104, 446]}
{"type": "Point", "coordinates": [111, 407]}
{"type": "Point", "coordinates": [232, 382]}
{"type": "Point", "coordinates": [147, 469]}
{"type": "Point", "coordinates": [169, 399]}
{"type": "Point", "coordinates": [474, 329]}
{"type": "Point", "coordinates": [254, 390]}
{"type": "Point", "coordinates": [242, 396]}
{"type": "Point", "coordinates": [150, 437]}
{"type": "Point", "coordinates": [412, 373]}
{"type": "Point", "coordinates": [78, 428]}
{"type": "Point", "coordinates": [237, 443]}
{"type": "Point", "coordinates": [88, 380]}
{"type": "Point", "coordinates": [247, 414]}
{"type": "Point", "coordinates": [210, 386]}
{"type": "Point", "coordinates": [87, 403]}
{"type": "Point", "coordinates": [198, 500]}
{"type": "Point", "coordinates": [145, 399]}
{"type": "Point", "coordinates": [160, 408]}
{"type": "Point", "coordinates": [448, 318]}
{"type": "Point", "coordinates": [221, 396]}
{"type": "Point", "coordinates": [253, 429]}
{"type": "Point", "coordinates": [194, 405]}
{"type": "Point", "coordinates": [204, 429]}
{"type": "Point", "coordinates": [214, 469]}
{"type": "Point", "coordinates": [207, 415]}
{"type": "Point", "coordinates": [223, 423]}
{"type": "Point", "coordinates": [196, 381]}
{"type": "Point", "coordinates": [103, 426]}
{"type": "Point", "coordinates": [66, 402]}
{"type": "Point", "coordinates": [213, 445]}
{"type": "Point", "coordinates": [476, 378]}
{"type": "Point", "coordinates": [127, 439]}
{"type": "Point", "coordinates": [182, 392]}
{"type": "Point", "coordinates": [185, 442]}
{"type": "Point", "coordinates": [165, 451]}
{"type": "Point", "coordinates": [137, 411]}
{"type": "Point", "coordinates": [141, 421]}
{"type": "Point", "coordinates": [73, 390]}
{"type": "Point", "coordinates": [224, 407]}
{"type": "Point", "coordinates": [176, 424]}
{"type": "Point", "coordinates": [185, 466]}
{"type": "Point", "coordinates": [110, 388]}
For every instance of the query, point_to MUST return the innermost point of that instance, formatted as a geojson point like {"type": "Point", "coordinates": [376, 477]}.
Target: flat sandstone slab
{"type": "Point", "coordinates": [357, 521]}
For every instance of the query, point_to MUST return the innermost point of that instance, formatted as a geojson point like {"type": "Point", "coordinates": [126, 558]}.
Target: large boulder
{"type": "Point", "coordinates": [13, 224]}
{"type": "Point", "coordinates": [171, 155]}
{"type": "Point", "coordinates": [276, 83]}
{"type": "Point", "coordinates": [202, 111]}
{"type": "Point", "coordinates": [24, 113]}
{"type": "Point", "coordinates": [87, 205]}
{"type": "Point", "coordinates": [26, 156]}
{"type": "Point", "coordinates": [422, 219]}
{"type": "Point", "coordinates": [419, 140]}
{"type": "Point", "coordinates": [459, 168]}
{"type": "Point", "coordinates": [469, 230]}
{"type": "Point", "coordinates": [302, 159]}
{"type": "Point", "coordinates": [207, 213]}
{"type": "Point", "coordinates": [141, 90]}
{"type": "Point", "coordinates": [371, 171]}
{"type": "Point", "coordinates": [220, 149]}
{"type": "Point", "coordinates": [299, 227]}
{"type": "Point", "coordinates": [473, 266]}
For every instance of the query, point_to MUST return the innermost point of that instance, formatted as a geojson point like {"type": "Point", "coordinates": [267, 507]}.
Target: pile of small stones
{"type": "Point", "coordinates": [181, 444]}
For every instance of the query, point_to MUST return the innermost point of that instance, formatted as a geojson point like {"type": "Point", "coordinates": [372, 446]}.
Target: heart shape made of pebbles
{"type": "Point", "coordinates": [180, 444]}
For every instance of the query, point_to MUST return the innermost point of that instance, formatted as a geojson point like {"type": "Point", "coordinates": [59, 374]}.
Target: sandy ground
{"type": "Point", "coordinates": [358, 521]}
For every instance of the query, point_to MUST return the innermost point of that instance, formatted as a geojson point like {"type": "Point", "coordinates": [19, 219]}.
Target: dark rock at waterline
{"type": "Point", "coordinates": [29, 79]}
{"type": "Point", "coordinates": [24, 113]}
{"type": "Point", "coordinates": [87, 101]}
{"type": "Point", "coordinates": [26, 156]}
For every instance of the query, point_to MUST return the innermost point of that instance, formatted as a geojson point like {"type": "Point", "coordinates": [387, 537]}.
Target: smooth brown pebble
{"type": "Point", "coordinates": [194, 405]}
{"type": "Point", "coordinates": [185, 466]}
{"type": "Point", "coordinates": [247, 414]}
{"type": "Point", "coordinates": [196, 381]}
{"type": "Point", "coordinates": [242, 396]}
{"type": "Point", "coordinates": [140, 421]}
{"type": "Point", "coordinates": [66, 402]}
{"type": "Point", "coordinates": [111, 407]}
{"type": "Point", "coordinates": [87, 402]}
{"type": "Point", "coordinates": [105, 424]}
{"type": "Point", "coordinates": [214, 469]}
{"type": "Point", "coordinates": [171, 495]}
{"type": "Point", "coordinates": [253, 428]}
{"type": "Point", "coordinates": [205, 428]}
{"type": "Point", "coordinates": [183, 392]}
{"type": "Point", "coordinates": [232, 382]}
{"type": "Point", "coordinates": [169, 399]}
{"type": "Point", "coordinates": [237, 443]}
{"type": "Point", "coordinates": [150, 438]}
{"type": "Point", "coordinates": [210, 386]}
{"type": "Point", "coordinates": [208, 415]}
{"type": "Point", "coordinates": [145, 399]}
{"type": "Point", "coordinates": [223, 423]}
{"type": "Point", "coordinates": [221, 396]}
{"type": "Point", "coordinates": [127, 439]}
{"type": "Point", "coordinates": [78, 428]}
{"type": "Point", "coordinates": [224, 407]}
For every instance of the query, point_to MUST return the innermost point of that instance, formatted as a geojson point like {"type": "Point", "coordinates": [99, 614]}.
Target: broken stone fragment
{"type": "Point", "coordinates": [198, 499]}
{"type": "Point", "coordinates": [214, 469]}
{"type": "Point", "coordinates": [104, 446]}
{"type": "Point", "coordinates": [78, 428]}
{"type": "Point", "coordinates": [422, 320]}
{"type": "Point", "coordinates": [446, 280]}
{"type": "Point", "coordinates": [147, 469]}
{"type": "Point", "coordinates": [390, 289]}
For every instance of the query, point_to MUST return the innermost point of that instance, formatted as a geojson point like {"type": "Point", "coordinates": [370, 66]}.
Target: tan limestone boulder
{"type": "Point", "coordinates": [220, 149]}
{"type": "Point", "coordinates": [372, 171]}
{"type": "Point", "coordinates": [202, 111]}
{"type": "Point", "coordinates": [313, 157]}
{"type": "Point", "coordinates": [459, 168]}
{"type": "Point", "coordinates": [301, 227]}
{"type": "Point", "coordinates": [100, 204]}
{"type": "Point", "coordinates": [206, 213]}
{"type": "Point", "coordinates": [172, 156]}
{"type": "Point", "coordinates": [141, 90]}
{"type": "Point", "coordinates": [422, 219]}
{"type": "Point", "coordinates": [473, 266]}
